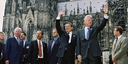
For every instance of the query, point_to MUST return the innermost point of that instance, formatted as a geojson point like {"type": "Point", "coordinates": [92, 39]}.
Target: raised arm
{"type": "Point", "coordinates": [59, 30]}
{"type": "Point", "coordinates": [102, 25]}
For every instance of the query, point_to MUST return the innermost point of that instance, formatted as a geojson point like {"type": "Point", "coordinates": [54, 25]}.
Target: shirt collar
{"type": "Point", "coordinates": [119, 37]}
{"type": "Point", "coordinates": [16, 37]}
{"type": "Point", "coordinates": [86, 27]}
{"type": "Point", "coordinates": [56, 38]}
{"type": "Point", "coordinates": [38, 40]}
{"type": "Point", "coordinates": [70, 33]}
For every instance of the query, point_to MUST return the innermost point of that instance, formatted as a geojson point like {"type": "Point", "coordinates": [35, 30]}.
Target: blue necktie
{"type": "Point", "coordinates": [88, 34]}
{"type": "Point", "coordinates": [88, 37]}
{"type": "Point", "coordinates": [116, 42]}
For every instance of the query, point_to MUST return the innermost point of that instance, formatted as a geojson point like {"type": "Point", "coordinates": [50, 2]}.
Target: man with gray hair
{"type": "Point", "coordinates": [88, 50]}
{"type": "Point", "coordinates": [13, 48]}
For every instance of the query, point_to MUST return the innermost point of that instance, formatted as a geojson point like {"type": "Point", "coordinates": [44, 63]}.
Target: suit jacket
{"type": "Point", "coordinates": [2, 45]}
{"type": "Point", "coordinates": [82, 43]}
{"type": "Point", "coordinates": [13, 51]}
{"type": "Point", "coordinates": [33, 52]}
{"type": "Point", "coordinates": [52, 54]}
{"type": "Point", "coordinates": [66, 50]}
{"type": "Point", "coordinates": [119, 52]}
{"type": "Point", "coordinates": [25, 49]}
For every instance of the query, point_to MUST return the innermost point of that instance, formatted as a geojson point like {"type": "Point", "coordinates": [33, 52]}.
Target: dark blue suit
{"type": "Point", "coordinates": [91, 54]}
{"type": "Point", "coordinates": [25, 52]}
{"type": "Point", "coordinates": [13, 51]}
{"type": "Point", "coordinates": [52, 54]}
{"type": "Point", "coordinates": [2, 45]}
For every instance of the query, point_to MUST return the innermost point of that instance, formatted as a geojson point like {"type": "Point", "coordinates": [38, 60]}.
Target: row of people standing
{"type": "Point", "coordinates": [61, 49]}
{"type": "Point", "coordinates": [65, 54]}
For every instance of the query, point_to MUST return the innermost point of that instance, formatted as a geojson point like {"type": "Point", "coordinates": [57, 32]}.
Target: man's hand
{"type": "Point", "coordinates": [114, 60]}
{"type": "Point", "coordinates": [7, 62]}
{"type": "Point", "coordinates": [76, 61]}
{"type": "Point", "coordinates": [79, 58]}
{"type": "Point", "coordinates": [61, 13]}
{"type": "Point", "coordinates": [105, 9]}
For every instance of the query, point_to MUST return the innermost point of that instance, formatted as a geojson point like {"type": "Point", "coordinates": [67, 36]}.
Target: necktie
{"type": "Point", "coordinates": [116, 42]}
{"type": "Point", "coordinates": [53, 44]}
{"type": "Point", "coordinates": [40, 50]}
{"type": "Point", "coordinates": [18, 41]}
{"type": "Point", "coordinates": [87, 37]}
{"type": "Point", "coordinates": [1, 55]}
{"type": "Point", "coordinates": [88, 34]}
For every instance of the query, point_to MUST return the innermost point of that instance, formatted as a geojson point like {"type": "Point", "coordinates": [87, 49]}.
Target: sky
{"type": "Point", "coordinates": [2, 6]}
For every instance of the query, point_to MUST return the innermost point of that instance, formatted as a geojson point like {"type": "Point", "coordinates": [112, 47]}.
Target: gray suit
{"type": "Point", "coordinates": [119, 51]}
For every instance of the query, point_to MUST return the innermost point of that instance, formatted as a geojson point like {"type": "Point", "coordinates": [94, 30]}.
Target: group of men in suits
{"type": "Point", "coordinates": [61, 50]}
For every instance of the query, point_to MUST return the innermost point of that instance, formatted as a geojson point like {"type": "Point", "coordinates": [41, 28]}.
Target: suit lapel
{"type": "Point", "coordinates": [15, 41]}
{"type": "Point", "coordinates": [36, 43]}
{"type": "Point", "coordinates": [73, 36]}
{"type": "Point", "coordinates": [90, 32]}
{"type": "Point", "coordinates": [82, 34]}
{"type": "Point", "coordinates": [118, 42]}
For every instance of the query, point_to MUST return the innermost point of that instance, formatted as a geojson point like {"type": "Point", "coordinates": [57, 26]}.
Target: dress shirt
{"type": "Point", "coordinates": [24, 43]}
{"type": "Point", "coordinates": [41, 48]}
{"type": "Point", "coordinates": [70, 36]}
{"type": "Point", "coordinates": [119, 37]}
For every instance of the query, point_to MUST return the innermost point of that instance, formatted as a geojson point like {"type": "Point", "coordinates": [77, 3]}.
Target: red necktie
{"type": "Point", "coordinates": [40, 50]}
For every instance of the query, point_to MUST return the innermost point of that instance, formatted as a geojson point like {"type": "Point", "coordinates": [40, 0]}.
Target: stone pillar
{"type": "Point", "coordinates": [35, 24]}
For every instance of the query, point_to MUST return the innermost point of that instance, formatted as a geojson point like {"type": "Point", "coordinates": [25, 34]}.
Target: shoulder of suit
{"type": "Point", "coordinates": [45, 43]}
{"type": "Point", "coordinates": [34, 41]}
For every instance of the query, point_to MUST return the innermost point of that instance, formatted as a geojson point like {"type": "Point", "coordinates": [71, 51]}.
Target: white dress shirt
{"type": "Point", "coordinates": [41, 48]}
{"type": "Point", "coordinates": [70, 37]}
{"type": "Point", "coordinates": [24, 43]}
{"type": "Point", "coordinates": [119, 37]}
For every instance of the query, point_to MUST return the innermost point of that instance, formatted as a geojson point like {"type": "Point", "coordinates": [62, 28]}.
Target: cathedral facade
{"type": "Point", "coordinates": [30, 15]}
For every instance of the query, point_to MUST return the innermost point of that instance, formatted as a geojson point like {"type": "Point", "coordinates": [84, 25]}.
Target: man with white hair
{"type": "Point", "coordinates": [13, 48]}
{"type": "Point", "coordinates": [88, 50]}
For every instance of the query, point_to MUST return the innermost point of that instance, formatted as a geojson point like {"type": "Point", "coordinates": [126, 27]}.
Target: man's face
{"type": "Point", "coordinates": [88, 21]}
{"type": "Point", "coordinates": [54, 33]}
{"type": "Point", "coordinates": [17, 32]}
{"type": "Point", "coordinates": [22, 36]}
{"type": "Point", "coordinates": [1, 36]}
{"type": "Point", "coordinates": [39, 35]}
{"type": "Point", "coordinates": [115, 32]}
{"type": "Point", "coordinates": [68, 28]}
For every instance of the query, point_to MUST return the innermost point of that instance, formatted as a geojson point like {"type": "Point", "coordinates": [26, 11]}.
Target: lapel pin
{"type": "Point", "coordinates": [73, 35]}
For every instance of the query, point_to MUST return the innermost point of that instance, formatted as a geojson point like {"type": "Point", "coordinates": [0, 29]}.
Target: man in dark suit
{"type": "Point", "coordinates": [2, 48]}
{"type": "Point", "coordinates": [14, 48]}
{"type": "Point", "coordinates": [88, 50]}
{"type": "Point", "coordinates": [53, 48]}
{"type": "Point", "coordinates": [25, 48]}
{"type": "Point", "coordinates": [66, 51]}
{"type": "Point", "coordinates": [37, 53]}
